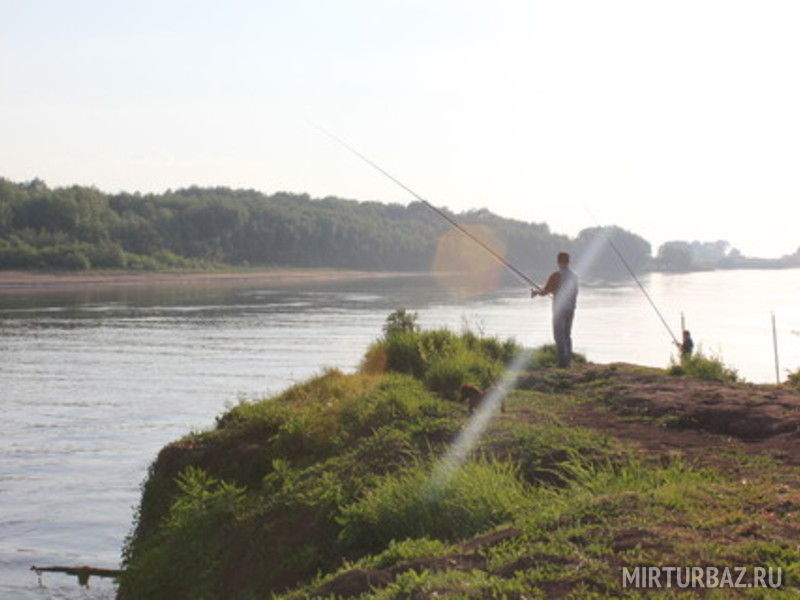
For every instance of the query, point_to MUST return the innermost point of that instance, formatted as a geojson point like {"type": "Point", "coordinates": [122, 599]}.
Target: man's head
{"type": "Point", "coordinates": [563, 259]}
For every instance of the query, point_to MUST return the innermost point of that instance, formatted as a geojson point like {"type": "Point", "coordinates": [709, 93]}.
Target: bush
{"type": "Point", "coordinates": [64, 257]}
{"type": "Point", "coordinates": [547, 356]}
{"type": "Point", "coordinates": [17, 254]}
{"type": "Point", "coordinates": [410, 505]}
{"type": "Point", "coordinates": [403, 353]}
{"type": "Point", "coordinates": [447, 374]}
{"type": "Point", "coordinates": [142, 262]}
{"type": "Point", "coordinates": [701, 366]}
{"type": "Point", "coordinates": [180, 559]}
{"type": "Point", "coordinates": [110, 256]}
{"type": "Point", "coordinates": [440, 358]}
{"type": "Point", "coordinates": [400, 321]}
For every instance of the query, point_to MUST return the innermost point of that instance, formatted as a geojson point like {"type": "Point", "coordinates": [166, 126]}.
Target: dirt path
{"type": "Point", "coordinates": [665, 415]}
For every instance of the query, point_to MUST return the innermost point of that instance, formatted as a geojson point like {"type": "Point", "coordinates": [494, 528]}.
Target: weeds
{"type": "Point", "coordinates": [480, 494]}
{"type": "Point", "coordinates": [702, 366]}
{"type": "Point", "coordinates": [547, 356]}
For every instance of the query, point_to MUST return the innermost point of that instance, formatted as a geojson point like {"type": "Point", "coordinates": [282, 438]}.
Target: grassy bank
{"type": "Point", "coordinates": [337, 488]}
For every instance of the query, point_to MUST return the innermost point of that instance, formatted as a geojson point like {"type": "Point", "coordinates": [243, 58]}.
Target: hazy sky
{"type": "Point", "coordinates": [677, 120]}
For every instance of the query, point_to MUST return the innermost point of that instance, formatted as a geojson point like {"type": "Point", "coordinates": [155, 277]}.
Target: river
{"type": "Point", "coordinates": [94, 382]}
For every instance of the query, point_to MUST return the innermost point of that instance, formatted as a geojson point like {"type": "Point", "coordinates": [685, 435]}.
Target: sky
{"type": "Point", "coordinates": [673, 119]}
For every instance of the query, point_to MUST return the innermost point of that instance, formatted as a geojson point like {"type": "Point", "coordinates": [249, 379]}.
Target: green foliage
{"type": "Point", "coordinates": [702, 366]}
{"type": "Point", "coordinates": [441, 358]}
{"type": "Point", "coordinates": [180, 559]}
{"type": "Point", "coordinates": [455, 585]}
{"type": "Point", "coordinates": [400, 321]}
{"type": "Point", "coordinates": [211, 226]}
{"type": "Point", "coordinates": [403, 550]}
{"type": "Point", "coordinates": [202, 495]}
{"type": "Point", "coordinates": [421, 502]}
{"type": "Point", "coordinates": [545, 450]}
{"type": "Point", "coordinates": [299, 458]}
{"type": "Point", "coordinates": [547, 356]}
{"type": "Point", "coordinates": [446, 374]}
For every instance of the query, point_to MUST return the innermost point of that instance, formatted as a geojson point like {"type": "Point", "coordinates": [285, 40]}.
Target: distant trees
{"type": "Point", "coordinates": [78, 228]}
{"type": "Point", "coordinates": [685, 256]}
{"type": "Point", "coordinates": [674, 256]}
{"type": "Point", "coordinates": [597, 258]}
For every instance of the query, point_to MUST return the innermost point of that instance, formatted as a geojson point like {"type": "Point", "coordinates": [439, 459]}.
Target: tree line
{"type": "Point", "coordinates": [80, 227]}
{"type": "Point", "coordinates": [692, 256]}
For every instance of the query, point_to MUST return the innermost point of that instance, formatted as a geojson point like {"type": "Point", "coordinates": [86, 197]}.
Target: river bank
{"type": "Point", "coordinates": [380, 484]}
{"type": "Point", "coordinates": [33, 281]}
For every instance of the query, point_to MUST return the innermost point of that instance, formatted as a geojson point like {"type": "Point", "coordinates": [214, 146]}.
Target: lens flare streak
{"type": "Point", "coordinates": [472, 432]}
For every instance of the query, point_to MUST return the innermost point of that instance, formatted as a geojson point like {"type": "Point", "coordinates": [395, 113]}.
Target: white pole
{"type": "Point", "coordinates": [775, 348]}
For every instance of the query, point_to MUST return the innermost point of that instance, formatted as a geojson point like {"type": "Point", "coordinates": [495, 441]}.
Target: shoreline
{"type": "Point", "coordinates": [37, 281]}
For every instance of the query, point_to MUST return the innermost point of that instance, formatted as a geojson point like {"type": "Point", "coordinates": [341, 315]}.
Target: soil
{"type": "Point", "coordinates": [664, 414]}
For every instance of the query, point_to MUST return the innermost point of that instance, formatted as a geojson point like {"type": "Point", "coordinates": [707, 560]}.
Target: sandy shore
{"type": "Point", "coordinates": [28, 281]}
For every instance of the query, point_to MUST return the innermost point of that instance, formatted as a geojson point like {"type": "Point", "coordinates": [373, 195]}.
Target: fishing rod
{"type": "Point", "coordinates": [635, 278]}
{"type": "Point", "coordinates": [496, 255]}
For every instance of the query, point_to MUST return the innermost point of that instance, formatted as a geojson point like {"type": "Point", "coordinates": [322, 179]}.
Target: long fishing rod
{"type": "Point", "coordinates": [635, 278]}
{"type": "Point", "coordinates": [497, 256]}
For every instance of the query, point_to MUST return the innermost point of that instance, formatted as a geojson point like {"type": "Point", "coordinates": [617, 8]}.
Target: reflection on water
{"type": "Point", "coordinates": [95, 382]}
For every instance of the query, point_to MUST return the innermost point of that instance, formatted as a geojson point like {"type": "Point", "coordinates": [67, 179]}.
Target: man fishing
{"type": "Point", "coordinates": [563, 284]}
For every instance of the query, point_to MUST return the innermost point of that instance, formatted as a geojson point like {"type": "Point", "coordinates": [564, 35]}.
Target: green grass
{"type": "Point", "coordinates": [547, 356]}
{"type": "Point", "coordinates": [702, 366]}
{"type": "Point", "coordinates": [441, 358]}
{"type": "Point", "coordinates": [342, 472]}
{"type": "Point", "coordinates": [419, 502]}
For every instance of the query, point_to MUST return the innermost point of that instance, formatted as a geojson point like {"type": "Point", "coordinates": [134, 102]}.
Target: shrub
{"type": "Point", "coordinates": [17, 254]}
{"type": "Point", "coordinates": [403, 353]}
{"type": "Point", "coordinates": [180, 559]}
{"type": "Point", "coordinates": [479, 495]}
{"type": "Point", "coordinates": [400, 321]}
{"type": "Point", "coordinates": [398, 402]}
{"type": "Point", "coordinates": [701, 366]}
{"type": "Point", "coordinates": [446, 374]}
{"type": "Point", "coordinates": [547, 356]}
{"type": "Point", "coordinates": [441, 358]}
{"type": "Point", "coordinates": [110, 256]}
{"type": "Point", "coordinates": [142, 262]}
{"type": "Point", "coordinates": [64, 257]}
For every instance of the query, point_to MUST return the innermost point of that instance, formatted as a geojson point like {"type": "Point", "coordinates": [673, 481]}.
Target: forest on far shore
{"type": "Point", "coordinates": [78, 228]}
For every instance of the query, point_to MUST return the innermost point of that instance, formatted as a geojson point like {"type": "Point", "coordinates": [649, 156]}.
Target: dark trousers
{"type": "Point", "coordinates": [562, 332]}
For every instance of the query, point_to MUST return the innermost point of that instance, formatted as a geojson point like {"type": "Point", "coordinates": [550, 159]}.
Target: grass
{"type": "Point", "coordinates": [702, 366]}
{"type": "Point", "coordinates": [547, 356]}
{"type": "Point", "coordinates": [287, 495]}
{"type": "Point", "coordinates": [575, 538]}
{"type": "Point", "coordinates": [414, 504]}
